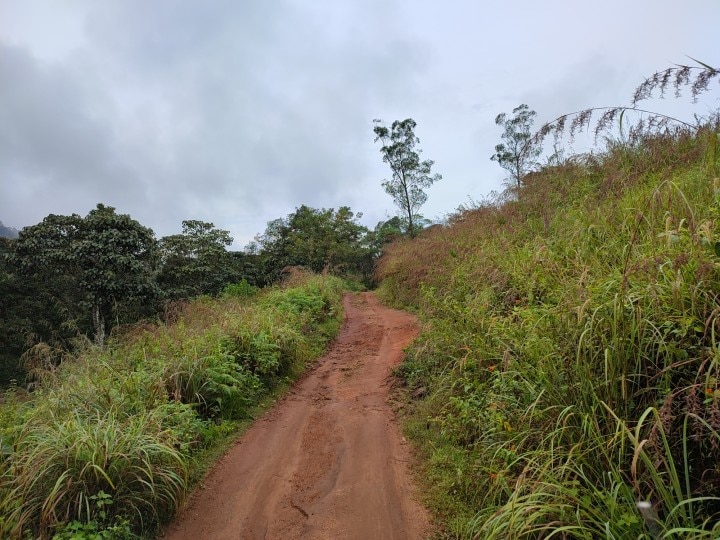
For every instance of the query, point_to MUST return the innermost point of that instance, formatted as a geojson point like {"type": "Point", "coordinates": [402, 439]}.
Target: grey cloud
{"type": "Point", "coordinates": [269, 118]}
{"type": "Point", "coordinates": [52, 148]}
{"type": "Point", "coordinates": [237, 112]}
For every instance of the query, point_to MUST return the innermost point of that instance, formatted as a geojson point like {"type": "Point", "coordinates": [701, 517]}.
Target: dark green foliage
{"type": "Point", "coordinates": [15, 295]}
{"type": "Point", "coordinates": [100, 267]}
{"type": "Point", "coordinates": [387, 231]}
{"type": "Point", "coordinates": [410, 176]}
{"type": "Point", "coordinates": [196, 262]}
{"type": "Point", "coordinates": [73, 276]}
{"type": "Point", "coordinates": [325, 240]}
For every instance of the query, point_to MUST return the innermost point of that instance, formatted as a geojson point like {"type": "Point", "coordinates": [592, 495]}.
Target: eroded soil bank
{"type": "Point", "coordinates": [328, 461]}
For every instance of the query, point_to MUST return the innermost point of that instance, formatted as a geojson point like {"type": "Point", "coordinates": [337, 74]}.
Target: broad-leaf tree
{"type": "Point", "coordinates": [519, 151]}
{"type": "Point", "coordinates": [322, 240]}
{"type": "Point", "coordinates": [410, 176]}
{"type": "Point", "coordinates": [196, 262]}
{"type": "Point", "coordinates": [384, 233]}
{"type": "Point", "coordinates": [27, 313]}
{"type": "Point", "coordinates": [102, 263]}
{"type": "Point", "coordinates": [37, 306]}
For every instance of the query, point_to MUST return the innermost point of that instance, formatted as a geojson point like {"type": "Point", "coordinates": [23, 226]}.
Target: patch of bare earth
{"type": "Point", "coordinates": [328, 461]}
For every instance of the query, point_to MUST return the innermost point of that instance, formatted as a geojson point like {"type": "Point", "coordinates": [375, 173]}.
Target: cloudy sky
{"type": "Point", "coordinates": [238, 111]}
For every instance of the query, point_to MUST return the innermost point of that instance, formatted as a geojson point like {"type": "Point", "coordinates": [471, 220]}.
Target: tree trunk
{"type": "Point", "coordinates": [99, 325]}
{"type": "Point", "coordinates": [408, 207]}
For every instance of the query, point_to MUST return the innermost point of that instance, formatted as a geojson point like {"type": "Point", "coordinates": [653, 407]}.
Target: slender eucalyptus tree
{"type": "Point", "coordinates": [410, 176]}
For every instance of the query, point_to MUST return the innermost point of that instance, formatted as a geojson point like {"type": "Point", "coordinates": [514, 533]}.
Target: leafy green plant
{"type": "Point", "coordinates": [97, 528]}
{"type": "Point", "coordinates": [106, 444]}
{"type": "Point", "coordinates": [241, 289]}
{"type": "Point", "coordinates": [58, 465]}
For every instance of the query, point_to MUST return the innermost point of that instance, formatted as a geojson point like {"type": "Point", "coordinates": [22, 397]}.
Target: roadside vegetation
{"type": "Point", "coordinates": [69, 279]}
{"type": "Point", "coordinates": [110, 440]}
{"type": "Point", "coordinates": [566, 383]}
{"type": "Point", "coordinates": [567, 379]}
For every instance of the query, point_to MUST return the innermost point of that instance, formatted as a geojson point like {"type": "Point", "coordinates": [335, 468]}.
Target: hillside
{"type": "Point", "coordinates": [566, 378]}
{"type": "Point", "coordinates": [7, 232]}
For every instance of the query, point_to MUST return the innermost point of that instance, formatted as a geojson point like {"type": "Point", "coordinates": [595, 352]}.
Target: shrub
{"type": "Point", "coordinates": [240, 290]}
{"type": "Point", "coordinates": [105, 444]}
{"type": "Point", "coordinates": [568, 359]}
{"type": "Point", "coordinates": [59, 464]}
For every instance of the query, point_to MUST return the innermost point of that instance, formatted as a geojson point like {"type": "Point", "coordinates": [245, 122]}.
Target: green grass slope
{"type": "Point", "coordinates": [109, 443]}
{"type": "Point", "coordinates": [566, 380]}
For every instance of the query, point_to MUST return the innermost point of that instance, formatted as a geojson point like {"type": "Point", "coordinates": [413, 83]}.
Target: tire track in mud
{"type": "Point", "coordinates": [328, 461]}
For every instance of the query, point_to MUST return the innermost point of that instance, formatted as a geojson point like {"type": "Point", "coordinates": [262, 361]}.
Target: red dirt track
{"type": "Point", "coordinates": [328, 461]}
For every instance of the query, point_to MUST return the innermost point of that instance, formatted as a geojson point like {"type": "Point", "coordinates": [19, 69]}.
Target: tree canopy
{"type": "Point", "coordinates": [101, 263]}
{"type": "Point", "coordinates": [321, 240]}
{"type": "Point", "coordinates": [196, 261]}
{"type": "Point", "coordinates": [519, 151]}
{"type": "Point", "coordinates": [71, 276]}
{"type": "Point", "coordinates": [410, 176]}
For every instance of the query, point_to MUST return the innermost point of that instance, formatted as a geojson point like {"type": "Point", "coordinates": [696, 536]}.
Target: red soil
{"type": "Point", "coordinates": [328, 461]}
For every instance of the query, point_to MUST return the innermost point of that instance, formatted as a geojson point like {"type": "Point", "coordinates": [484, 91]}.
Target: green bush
{"type": "Point", "coordinates": [240, 290]}
{"type": "Point", "coordinates": [104, 446]}
{"type": "Point", "coordinates": [98, 527]}
{"type": "Point", "coordinates": [59, 464]}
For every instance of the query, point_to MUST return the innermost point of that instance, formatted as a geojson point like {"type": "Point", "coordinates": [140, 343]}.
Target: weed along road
{"type": "Point", "coordinates": [329, 461]}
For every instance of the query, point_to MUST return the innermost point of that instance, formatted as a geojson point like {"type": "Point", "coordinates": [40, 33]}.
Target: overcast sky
{"type": "Point", "coordinates": [238, 111]}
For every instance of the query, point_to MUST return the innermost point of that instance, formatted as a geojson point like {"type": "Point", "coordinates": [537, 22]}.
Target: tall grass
{"type": "Point", "coordinates": [569, 356]}
{"type": "Point", "coordinates": [108, 441]}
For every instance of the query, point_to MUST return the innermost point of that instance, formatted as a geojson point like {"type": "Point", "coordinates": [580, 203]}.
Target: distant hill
{"type": "Point", "coordinates": [7, 232]}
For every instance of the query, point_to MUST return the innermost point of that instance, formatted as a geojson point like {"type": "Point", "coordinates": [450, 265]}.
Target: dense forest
{"type": "Point", "coordinates": [73, 278]}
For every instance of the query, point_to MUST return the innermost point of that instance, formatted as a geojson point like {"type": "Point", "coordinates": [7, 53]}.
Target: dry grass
{"type": "Point", "coordinates": [569, 348]}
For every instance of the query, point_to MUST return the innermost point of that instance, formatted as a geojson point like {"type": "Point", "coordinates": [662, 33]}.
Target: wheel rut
{"type": "Point", "coordinates": [328, 461]}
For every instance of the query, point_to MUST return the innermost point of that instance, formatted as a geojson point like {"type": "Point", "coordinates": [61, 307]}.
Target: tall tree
{"type": "Point", "coordinates": [196, 262]}
{"type": "Point", "coordinates": [102, 263]}
{"type": "Point", "coordinates": [409, 175]}
{"type": "Point", "coordinates": [317, 239]}
{"type": "Point", "coordinates": [518, 152]}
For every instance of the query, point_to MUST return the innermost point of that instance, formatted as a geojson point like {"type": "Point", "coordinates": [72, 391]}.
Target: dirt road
{"type": "Point", "coordinates": [328, 462]}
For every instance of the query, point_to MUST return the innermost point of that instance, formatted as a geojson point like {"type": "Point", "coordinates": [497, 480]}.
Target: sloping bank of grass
{"type": "Point", "coordinates": [108, 443]}
{"type": "Point", "coordinates": [569, 363]}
